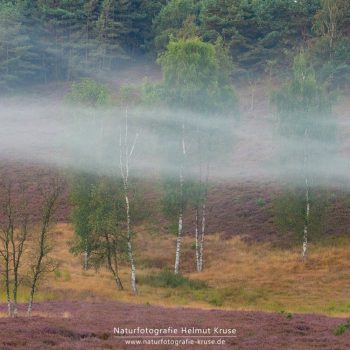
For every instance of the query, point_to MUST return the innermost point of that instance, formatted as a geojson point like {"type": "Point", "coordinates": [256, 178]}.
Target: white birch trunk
{"type": "Point", "coordinates": [180, 223]}
{"type": "Point", "coordinates": [124, 168]}
{"type": "Point", "coordinates": [307, 203]}
{"type": "Point", "coordinates": [201, 251]}
{"type": "Point", "coordinates": [306, 225]}
{"type": "Point", "coordinates": [197, 239]}
{"type": "Point", "coordinates": [30, 306]}
{"type": "Point", "coordinates": [130, 250]}
{"type": "Point", "coordinates": [85, 260]}
{"type": "Point", "coordinates": [9, 308]}
{"type": "Point", "coordinates": [178, 245]}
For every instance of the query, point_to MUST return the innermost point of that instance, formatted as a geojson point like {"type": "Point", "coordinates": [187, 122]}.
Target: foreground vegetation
{"type": "Point", "coordinates": [241, 277]}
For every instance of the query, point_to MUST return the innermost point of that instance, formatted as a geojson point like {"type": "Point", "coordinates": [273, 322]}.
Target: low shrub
{"type": "Point", "coordinates": [88, 92]}
{"type": "Point", "coordinates": [168, 279]}
{"type": "Point", "coordinates": [339, 330]}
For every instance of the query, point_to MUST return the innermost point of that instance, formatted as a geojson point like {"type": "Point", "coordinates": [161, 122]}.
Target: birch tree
{"type": "Point", "coordinates": [126, 150]}
{"type": "Point", "coordinates": [304, 111]}
{"type": "Point", "coordinates": [13, 238]}
{"type": "Point", "coordinates": [100, 212]}
{"type": "Point", "coordinates": [106, 222]}
{"type": "Point", "coordinates": [197, 83]}
{"type": "Point", "coordinates": [41, 262]}
{"type": "Point", "coordinates": [190, 70]}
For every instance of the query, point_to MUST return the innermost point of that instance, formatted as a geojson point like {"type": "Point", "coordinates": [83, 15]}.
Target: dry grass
{"type": "Point", "coordinates": [240, 276]}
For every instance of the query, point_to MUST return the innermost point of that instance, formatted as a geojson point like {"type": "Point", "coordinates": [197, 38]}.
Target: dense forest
{"type": "Point", "coordinates": [55, 40]}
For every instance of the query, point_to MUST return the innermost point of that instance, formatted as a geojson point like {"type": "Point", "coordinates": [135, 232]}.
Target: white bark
{"type": "Point", "coordinates": [124, 168]}
{"type": "Point", "coordinates": [30, 306]}
{"type": "Point", "coordinates": [85, 260]}
{"type": "Point", "coordinates": [178, 245]}
{"type": "Point", "coordinates": [307, 203]}
{"type": "Point", "coordinates": [130, 250]}
{"type": "Point", "coordinates": [306, 225]}
{"type": "Point", "coordinates": [201, 249]}
{"type": "Point", "coordinates": [9, 308]}
{"type": "Point", "coordinates": [180, 222]}
{"type": "Point", "coordinates": [197, 239]}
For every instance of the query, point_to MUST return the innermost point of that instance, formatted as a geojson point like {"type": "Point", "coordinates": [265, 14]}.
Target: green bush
{"type": "Point", "coordinates": [216, 299]}
{"type": "Point", "coordinates": [168, 279]}
{"type": "Point", "coordinates": [339, 330]}
{"type": "Point", "coordinates": [89, 92]}
{"type": "Point", "coordinates": [260, 202]}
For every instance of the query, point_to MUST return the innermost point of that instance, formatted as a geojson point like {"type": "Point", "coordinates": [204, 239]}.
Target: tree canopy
{"type": "Point", "coordinates": [45, 40]}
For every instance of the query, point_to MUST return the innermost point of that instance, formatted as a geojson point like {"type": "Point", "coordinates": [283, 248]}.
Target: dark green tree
{"type": "Point", "coordinates": [171, 19]}
{"type": "Point", "coordinates": [331, 47]}
{"type": "Point", "coordinates": [258, 31]}
{"type": "Point", "coordinates": [16, 51]}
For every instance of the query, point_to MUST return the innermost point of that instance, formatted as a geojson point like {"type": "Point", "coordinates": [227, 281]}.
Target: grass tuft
{"type": "Point", "coordinates": [339, 330]}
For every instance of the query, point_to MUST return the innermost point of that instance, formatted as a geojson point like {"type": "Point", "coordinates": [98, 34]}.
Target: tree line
{"type": "Point", "coordinates": [45, 40]}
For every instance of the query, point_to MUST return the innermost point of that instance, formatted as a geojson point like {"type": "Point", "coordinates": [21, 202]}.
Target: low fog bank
{"type": "Point", "coordinates": [231, 150]}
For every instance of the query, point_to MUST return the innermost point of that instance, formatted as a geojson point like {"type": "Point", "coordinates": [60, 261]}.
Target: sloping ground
{"type": "Point", "coordinates": [238, 275]}
{"type": "Point", "coordinates": [243, 208]}
{"type": "Point", "coordinates": [67, 325]}
{"type": "Point", "coordinates": [235, 207]}
{"type": "Point", "coordinates": [33, 179]}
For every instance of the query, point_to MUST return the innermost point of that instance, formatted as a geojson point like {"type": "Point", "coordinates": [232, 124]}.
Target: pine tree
{"type": "Point", "coordinates": [108, 34]}
{"type": "Point", "coordinates": [15, 48]}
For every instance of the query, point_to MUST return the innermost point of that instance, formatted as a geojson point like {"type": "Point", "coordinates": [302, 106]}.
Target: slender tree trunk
{"type": "Point", "coordinates": [201, 252]}
{"type": "Point", "coordinates": [178, 245]}
{"type": "Point", "coordinates": [15, 287]}
{"type": "Point", "coordinates": [307, 203]}
{"type": "Point", "coordinates": [86, 259]}
{"type": "Point", "coordinates": [197, 239]}
{"type": "Point", "coordinates": [43, 248]}
{"type": "Point", "coordinates": [30, 303]}
{"type": "Point", "coordinates": [252, 84]}
{"type": "Point", "coordinates": [179, 229]}
{"type": "Point", "coordinates": [7, 59]}
{"type": "Point", "coordinates": [124, 168]}
{"type": "Point", "coordinates": [181, 210]}
{"type": "Point", "coordinates": [116, 277]}
{"type": "Point", "coordinates": [6, 253]}
{"type": "Point", "coordinates": [118, 282]}
{"type": "Point", "coordinates": [114, 269]}
{"type": "Point", "coordinates": [7, 284]}
{"type": "Point", "coordinates": [306, 224]}
{"type": "Point", "coordinates": [15, 275]}
{"type": "Point", "coordinates": [37, 272]}
{"type": "Point", "coordinates": [129, 238]}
